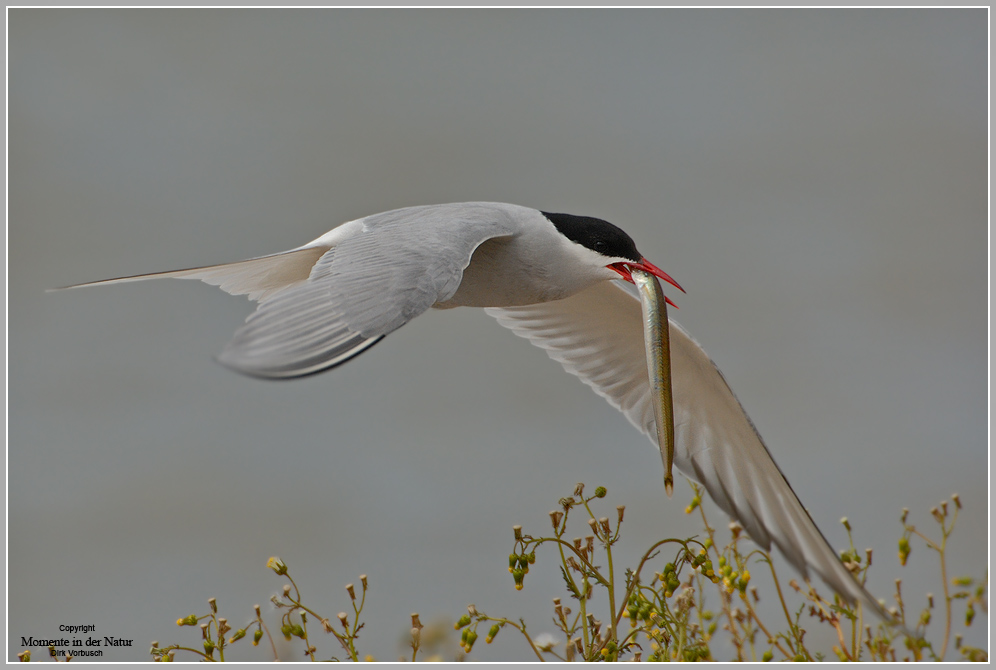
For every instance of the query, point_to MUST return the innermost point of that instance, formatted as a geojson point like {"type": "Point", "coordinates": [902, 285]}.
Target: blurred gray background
{"type": "Point", "coordinates": [816, 180]}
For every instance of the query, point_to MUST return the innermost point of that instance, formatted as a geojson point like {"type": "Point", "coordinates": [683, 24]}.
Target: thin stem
{"type": "Point", "coordinates": [781, 596]}
{"type": "Point", "coordinates": [834, 621]}
{"type": "Point", "coordinates": [764, 629]}
{"type": "Point", "coordinates": [199, 653]}
{"type": "Point", "coordinates": [304, 626]}
{"type": "Point", "coordinates": [947, 599]}
{"type": "Point", "coordinates": [855, 627]}
{"type": "Point", "coordinates": [939, 548]}
{"type": "Point", "coordinates": [613, 631]}
{"type": "Point", "coordinates": [269, 637]}
{"type": "Point", "coordinates": [583, 615]}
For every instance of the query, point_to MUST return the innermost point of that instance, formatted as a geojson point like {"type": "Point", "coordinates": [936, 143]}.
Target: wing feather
{"type": "Point", "coordinates": [294, 333]}
{"type": "Point", "coordinates": [256, 277]}
{"type": "Point", "coordinates": [597, 334]}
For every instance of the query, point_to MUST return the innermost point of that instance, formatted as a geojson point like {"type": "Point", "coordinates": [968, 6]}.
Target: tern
{"type": "Point", "coordinates": [548, 278]}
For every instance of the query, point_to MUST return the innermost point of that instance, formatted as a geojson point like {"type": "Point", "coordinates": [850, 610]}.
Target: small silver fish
{"type": "Point", "coordinates": [656, 336]}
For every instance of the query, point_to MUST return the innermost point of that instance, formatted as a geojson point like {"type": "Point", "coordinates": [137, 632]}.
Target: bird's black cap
{"type": "Point", "coordinates": [595, 234]}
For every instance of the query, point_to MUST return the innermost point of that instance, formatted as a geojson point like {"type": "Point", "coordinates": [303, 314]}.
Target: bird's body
{"type": "Point", "coordinates": [547, 277]}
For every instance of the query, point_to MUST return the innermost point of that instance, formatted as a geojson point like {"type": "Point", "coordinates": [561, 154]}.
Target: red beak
{"type": "Point", "coordinates": [645, 265]}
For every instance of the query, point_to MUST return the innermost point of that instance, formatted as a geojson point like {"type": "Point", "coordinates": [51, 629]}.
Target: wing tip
{"type": "Point", "coordinates": [59, 289]}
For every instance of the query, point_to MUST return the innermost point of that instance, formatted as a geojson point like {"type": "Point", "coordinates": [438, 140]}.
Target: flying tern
{"type": "Point", "coordinates": [548, 278]}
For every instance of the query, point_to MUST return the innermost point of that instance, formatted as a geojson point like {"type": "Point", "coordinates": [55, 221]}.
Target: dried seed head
{"type": "Point", "coordinates": [214, 605]}
{"type": "Point", "coordinates": [350, 591]}
{"type": "Point", "coordinates": [287, 588]}
{"type": "Point", "coordinates": [363, 581]}
{"type": "Point", "coordinates": [416, 622]}
{"type": "Point", "coordinates": [957, 500]}
{"type": "Point", "coordinates": [555, 517]}
{"type": "Point", "coordinates": [343, 620]}
{"type": "Point", "coordinates": [620, 512]}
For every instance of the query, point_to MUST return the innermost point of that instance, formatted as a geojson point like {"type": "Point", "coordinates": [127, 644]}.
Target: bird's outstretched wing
{"type": "Point", "coordinates": [332, 299]}
{"type": "Point", "coordinates": [597, 334]}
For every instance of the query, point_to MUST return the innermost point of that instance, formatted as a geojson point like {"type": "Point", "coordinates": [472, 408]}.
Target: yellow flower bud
{"type": "Point", "coordinates": [277, 565]}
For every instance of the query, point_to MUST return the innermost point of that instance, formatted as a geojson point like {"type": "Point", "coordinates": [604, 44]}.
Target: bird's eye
{"type": "Point", "coordinates": [599, 245]}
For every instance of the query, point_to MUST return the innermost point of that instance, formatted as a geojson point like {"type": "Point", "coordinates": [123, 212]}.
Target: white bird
{"type": "Point", "coordinates": [547, 277]}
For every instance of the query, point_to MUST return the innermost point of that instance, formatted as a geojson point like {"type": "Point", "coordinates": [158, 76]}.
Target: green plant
{"type": "Point", "coordinates": [658, 610]}
{"type": "Point", "coordinates": [664, 616]}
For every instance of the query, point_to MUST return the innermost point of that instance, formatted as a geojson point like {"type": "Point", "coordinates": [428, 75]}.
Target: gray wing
{"type": "Point", "coordinates": [391, 268]}
{"type": "Point", "coordinates": [597, 335]}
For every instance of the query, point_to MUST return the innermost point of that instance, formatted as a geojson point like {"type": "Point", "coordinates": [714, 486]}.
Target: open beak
{"type": "Point", "coordinates": [624, 270]}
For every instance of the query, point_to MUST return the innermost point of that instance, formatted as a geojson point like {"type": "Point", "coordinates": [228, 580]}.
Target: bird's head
{"type": "Point", "coordinates": [611, 242]}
